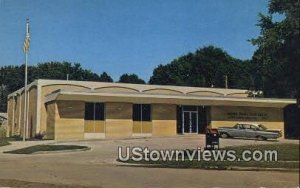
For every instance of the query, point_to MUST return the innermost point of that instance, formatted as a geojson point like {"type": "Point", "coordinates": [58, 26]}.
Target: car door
{"type": "Point", "coordinates": [238, 132]}
{"type": "Point", "coordinates": [250, 131]}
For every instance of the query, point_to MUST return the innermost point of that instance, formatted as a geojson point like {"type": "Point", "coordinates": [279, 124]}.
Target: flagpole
{"type": "Point", "coordinates": [25, 98]}
{"type": "Point", "coordinates": [25, 88]}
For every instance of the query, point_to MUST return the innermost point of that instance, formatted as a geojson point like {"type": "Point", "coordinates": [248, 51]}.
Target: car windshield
{"type": "Point", "coordinates": [237, 126]}
{"type": "Point", "coordinates": [262, 127]}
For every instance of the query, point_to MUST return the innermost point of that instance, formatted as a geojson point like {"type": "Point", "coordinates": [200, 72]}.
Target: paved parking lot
{"type": "Point", "coordinates": [98, 166]}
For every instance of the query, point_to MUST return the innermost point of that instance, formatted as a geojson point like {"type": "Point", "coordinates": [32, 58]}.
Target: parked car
{"type": "Point", "coordinates": [249, 130]}
{"type": "Point", "coordinates": [262, 127]}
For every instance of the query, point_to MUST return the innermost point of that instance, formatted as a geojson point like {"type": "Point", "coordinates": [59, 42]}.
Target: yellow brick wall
{"type": "Point", "coordinates": [118, 120]}
{"type": "Point", "coordinates": [91, 126]}
{"type": "Point", "coordinates": [17, 114]}
{"type": "Point", "coordinates": [163, 119]}
{"type": "Point", "coordinates": [16, 109]}
{"type": "Point", "coordinates": [10, 108]}
{"type": "Point", "coordinates": [32, 111]}
{"type": "Point", "coordinates": [142, 127]}
{"type": "Point", "coordinates": [228, 116]}
{"type": "Point", "coordinates": [51, 118]}
{"type": "Point", "coordinates": [69, 122]}
{"type": "Point", "coordinates": [47, 90]}
{"type": "Point", "coordinates": [21, 120]}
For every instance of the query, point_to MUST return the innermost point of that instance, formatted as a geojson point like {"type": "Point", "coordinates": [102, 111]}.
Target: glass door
{"type": "Point", "coordinates": [190, 122]}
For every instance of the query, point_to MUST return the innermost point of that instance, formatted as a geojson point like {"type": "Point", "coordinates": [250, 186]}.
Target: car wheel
{"type": "Point", "coordinates": [224, 135]}
{"type": "Point", "coordinates": [261, 138]}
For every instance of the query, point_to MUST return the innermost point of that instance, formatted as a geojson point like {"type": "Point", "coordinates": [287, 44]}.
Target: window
{"type": "Point", "coordinates": [99, 111]}
{"type": "Point", "coordinates": [89, 111]}
{"type": "Point", "coordinates": [94, 111]}
{"type": "Point", "coordinates": [136, 114]}
{"type": "Point", "coordinates": [141, 112]}
{"type": "Point", "coordinates": [239, 126]}
{"type": "Point", "coordinates": [146, 112]}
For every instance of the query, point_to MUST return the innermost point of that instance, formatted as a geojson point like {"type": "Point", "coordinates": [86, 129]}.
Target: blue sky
{"type": "Point", "coordinates": [125, 36]}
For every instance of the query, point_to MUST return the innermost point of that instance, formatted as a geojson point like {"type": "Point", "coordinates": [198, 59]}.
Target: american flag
{"type": "Point", "coordinates": [27, 38]}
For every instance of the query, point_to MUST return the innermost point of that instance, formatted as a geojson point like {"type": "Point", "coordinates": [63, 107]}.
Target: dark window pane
{"type": "Point", "coordinates": [94, 111]}
{"type": "Point", "coordinates": [136, 114]}
{"type": "Point", "coordinates": [179, 119]}
{"type": "Point", "coordinates": [89, 111]}
{"type": "Point", "coordinates": [99, 111]}
{"type": "Point", "coordinates": [141, 112]}
{"type": "Point", "coordinates": [146, 108]}
{"type": "Point", "coordinates": [190, 108]}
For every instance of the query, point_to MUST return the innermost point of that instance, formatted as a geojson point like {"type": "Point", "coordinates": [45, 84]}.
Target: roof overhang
{"type": "Point", "coordinates": [167, 99]}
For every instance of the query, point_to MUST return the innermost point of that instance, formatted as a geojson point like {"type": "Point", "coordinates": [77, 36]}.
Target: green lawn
{"type": "Point", "coordinates": [288, 157]}
{"type": "Point", "coordinates": [3, 142]}
{"type": "Point", "coordinates": [38, 148]}
{"type": "Point", "coordinates": [286, 152]}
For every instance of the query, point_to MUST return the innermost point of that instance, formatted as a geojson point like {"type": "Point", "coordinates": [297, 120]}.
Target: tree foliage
{"type": "Point", "coordinates": [207, 67]}
{"type": "Point", "coordinates": [131, 78]}
{"type": "Point", "coordinates": [278, 53]}
{"type": "Point", "coordinates": [104, 77]}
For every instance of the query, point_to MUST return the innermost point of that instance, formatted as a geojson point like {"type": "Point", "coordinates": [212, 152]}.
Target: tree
{"type": "Point", "coordinates": [206, 67]}
{"type": "Point", "coordinates": [3, 98]}
{"type": "Point", "coordinates": [104, 77]}
{"type": "Point", "coordinates": [131, 78]}
{"type": "Point", "coordinates": [278, 54]}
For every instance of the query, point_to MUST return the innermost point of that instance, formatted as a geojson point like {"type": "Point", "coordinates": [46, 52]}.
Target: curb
{"type": "Point", "coordinates": [263, 169]}
{"type": "Point", "coordinates": [233, 168]}
{"type": "Point", "coordinates": [61, 151]}
{"type": "Point", "coordinates": [52, 152]}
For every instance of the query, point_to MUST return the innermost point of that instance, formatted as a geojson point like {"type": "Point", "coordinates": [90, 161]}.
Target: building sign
{"type": "Point", "coordinates": [247, 116]}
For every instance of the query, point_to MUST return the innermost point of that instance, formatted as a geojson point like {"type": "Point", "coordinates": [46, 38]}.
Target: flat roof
{"type": "Point", "coordinates": [139, 87]}
{"type": "Point", "coordinates": [168, 99]}
{"type": "Point", "coordinates": [181, 95]}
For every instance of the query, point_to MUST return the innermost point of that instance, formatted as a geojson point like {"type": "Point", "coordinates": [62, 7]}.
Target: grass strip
{"type": "Point", "coordinates": [3, 142]}
{"type": "Point", "coordinates": [39, 148]}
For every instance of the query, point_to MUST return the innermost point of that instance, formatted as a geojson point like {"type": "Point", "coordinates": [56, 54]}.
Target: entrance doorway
{"type": "Point", "coordinates": [192, 119]}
